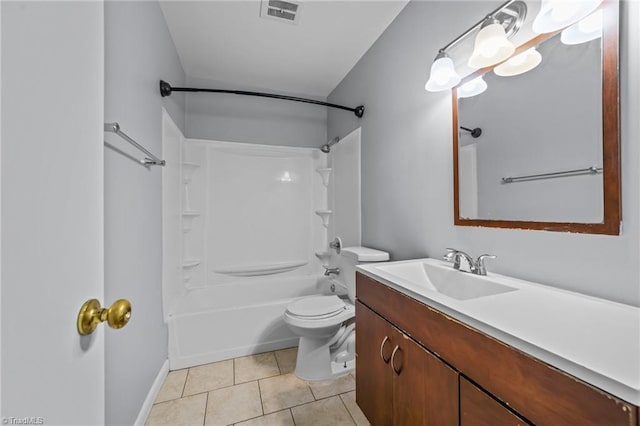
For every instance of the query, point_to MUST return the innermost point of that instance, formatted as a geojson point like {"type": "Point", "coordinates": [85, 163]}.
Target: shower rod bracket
{"type": "Point", "coordinates": [166, 90]}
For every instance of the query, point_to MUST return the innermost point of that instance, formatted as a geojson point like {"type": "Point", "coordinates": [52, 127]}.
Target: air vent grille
{"type": "Point", "coordinates": [284, 11]}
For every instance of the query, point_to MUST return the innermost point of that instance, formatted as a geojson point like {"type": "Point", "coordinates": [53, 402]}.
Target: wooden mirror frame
{"type": "Point", "coordinates": [610, 140]}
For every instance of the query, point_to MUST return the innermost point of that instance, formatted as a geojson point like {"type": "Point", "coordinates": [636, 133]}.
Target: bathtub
{"type": "Point", "coordinates": [234, 319]}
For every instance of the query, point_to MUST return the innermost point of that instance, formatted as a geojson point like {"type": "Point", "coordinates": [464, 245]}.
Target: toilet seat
{"type": "Point", "coordinates": [317, 307]}
{"type": "Point", "coordinates": [307, 313]}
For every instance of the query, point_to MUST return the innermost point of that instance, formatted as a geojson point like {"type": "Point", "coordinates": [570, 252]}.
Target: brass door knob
{"type": "Point", "coordinates": [91, 314]}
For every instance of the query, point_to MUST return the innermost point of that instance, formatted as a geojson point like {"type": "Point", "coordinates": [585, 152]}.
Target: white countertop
{"type": "Point", "coordinates": [593, 339]}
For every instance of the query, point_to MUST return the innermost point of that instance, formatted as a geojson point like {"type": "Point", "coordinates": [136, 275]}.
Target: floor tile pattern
{"type": "Point", "coordinates": [256, 390]}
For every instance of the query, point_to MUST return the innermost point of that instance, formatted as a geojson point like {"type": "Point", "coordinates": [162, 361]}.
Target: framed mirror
{"type": "Point", "coordinates": [540, 150]}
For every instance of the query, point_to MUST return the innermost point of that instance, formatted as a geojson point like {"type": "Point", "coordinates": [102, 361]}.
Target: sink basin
{"type": "Point", "coordinates": [420, 275]}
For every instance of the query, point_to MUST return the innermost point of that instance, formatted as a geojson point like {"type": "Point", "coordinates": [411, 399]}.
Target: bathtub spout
{"type": "Point", "coordinates": [331, 271]}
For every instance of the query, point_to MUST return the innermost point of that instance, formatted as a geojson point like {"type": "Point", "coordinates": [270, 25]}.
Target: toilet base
{"type": "Point", "coordinates": [317, 360]}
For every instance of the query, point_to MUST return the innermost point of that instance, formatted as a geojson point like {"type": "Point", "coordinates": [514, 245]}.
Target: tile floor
{"type": "Point", "coordinates": [253, 391]}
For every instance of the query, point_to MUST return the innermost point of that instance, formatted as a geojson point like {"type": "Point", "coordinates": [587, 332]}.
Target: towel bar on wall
{"type": "Point", "coordinates": [150, 160]}
{"type": "Point", "coordinates": [593, 170]}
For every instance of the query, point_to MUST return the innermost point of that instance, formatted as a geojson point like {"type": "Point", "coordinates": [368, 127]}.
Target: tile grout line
{"type": "Point", "coordinates": [199, 393]}
{"type": "Point", "coordinates": [277, 362]}
{"type": "Point", "coordinates": [312, 392]}
{"type": "Point", "coordinates": [259, 417]}
{"type": "Point", "coordinates": [347, 408]}
{"type": "Point", "coordinates": [206, 405]}
{"type": "Point", "coordinates": [312, 402]}
{"type": "Point", "coordinates": [293, 419]}
{"type": "Point", "coordinates": [258, 380]}
{"type": "Point", "coordinates": [184, 385]}
{"type": "Point", "coordinates": [260, 393]}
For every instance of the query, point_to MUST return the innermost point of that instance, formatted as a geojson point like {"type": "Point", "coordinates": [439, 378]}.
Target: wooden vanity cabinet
{"type": "Point", "coordinates": [435, 357]}
{"type": "Point", "coordinates": [399, 382]}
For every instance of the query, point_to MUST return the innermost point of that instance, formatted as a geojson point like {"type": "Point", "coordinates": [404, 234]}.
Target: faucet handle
{"type": "Point", "coordinates": [448, 256]}
{"type": "Point", "coordinates": [481, 269]}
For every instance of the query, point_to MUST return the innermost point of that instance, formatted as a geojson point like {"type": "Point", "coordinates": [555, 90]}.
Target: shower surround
{"type": "Point", "coordinates": [245, 231]}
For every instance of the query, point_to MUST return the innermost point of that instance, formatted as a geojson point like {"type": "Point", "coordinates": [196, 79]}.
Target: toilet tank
{"type": "Point", "coordinates": [350, 257]}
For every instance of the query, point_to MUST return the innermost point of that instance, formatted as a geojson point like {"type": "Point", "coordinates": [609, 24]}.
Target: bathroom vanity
{"type": "Point", "coordinates": [424, 361]}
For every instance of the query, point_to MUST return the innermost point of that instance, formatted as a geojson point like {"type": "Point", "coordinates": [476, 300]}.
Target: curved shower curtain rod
{"type": "Point", "coordinates": [166, 89]}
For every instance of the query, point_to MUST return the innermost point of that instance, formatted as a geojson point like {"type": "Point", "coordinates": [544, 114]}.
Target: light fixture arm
{"type": "Point", "coordinates": [441, 54]}
{"type": "Point", "coordinates": [476, 25]}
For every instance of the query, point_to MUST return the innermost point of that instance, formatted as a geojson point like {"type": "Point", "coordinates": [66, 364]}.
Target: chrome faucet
{"type": "Point", "coordinates": [468, 259]}
{"type": "Point", "coordinates": [478, 267]}
{"type": "Point", "coordinates": [330, 271]}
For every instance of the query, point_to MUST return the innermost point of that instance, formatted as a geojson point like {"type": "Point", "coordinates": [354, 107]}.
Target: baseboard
{"type": "Point", "coordinates": [153, 393]}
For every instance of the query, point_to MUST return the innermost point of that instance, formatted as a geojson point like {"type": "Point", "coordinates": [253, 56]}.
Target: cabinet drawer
{"type": "Point", "coordinates": [538, 391]}
{"type": "Point", "coordinates": [477, 408]}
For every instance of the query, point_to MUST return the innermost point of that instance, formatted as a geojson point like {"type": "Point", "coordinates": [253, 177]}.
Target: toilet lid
{"type": "Point", "coordinates": [317, 306]}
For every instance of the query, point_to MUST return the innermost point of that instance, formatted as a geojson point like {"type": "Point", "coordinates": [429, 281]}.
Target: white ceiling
{"type": "Point", "coordinates": [228, 41]}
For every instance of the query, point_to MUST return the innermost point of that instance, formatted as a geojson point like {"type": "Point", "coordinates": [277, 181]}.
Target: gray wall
{"type": "Point", "coordinates": [407, 162]}
{"type": "Point", "coordinates": [138, 52]}
{"type": "Point", "coordinates": [234, 118]}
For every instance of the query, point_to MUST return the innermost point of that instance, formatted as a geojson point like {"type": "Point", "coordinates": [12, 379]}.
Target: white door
{"type": "Point", "coordinates": [52, 211]}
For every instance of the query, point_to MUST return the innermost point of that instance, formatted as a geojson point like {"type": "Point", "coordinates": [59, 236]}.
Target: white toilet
{"type": "Point", "coordinates": [326, 324]}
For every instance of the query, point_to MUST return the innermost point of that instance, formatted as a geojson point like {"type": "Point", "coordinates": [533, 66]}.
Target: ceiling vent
{"type": "Point", "coordinates": [283, 11]}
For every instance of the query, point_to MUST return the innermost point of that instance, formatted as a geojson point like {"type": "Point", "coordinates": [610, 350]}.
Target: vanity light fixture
{"type": "Point", "coordinates": [491, 44]}
{"type": "Point", "coordinates": [555, 15]}
{"type": "Point", "coordinates": [590, 28]}
{"type": "Point", "coordinates": [443, 74]}
{"type": "Point", "coordinates": [519, 64]}
{"type": "Point", "coordinates": [472, 88]}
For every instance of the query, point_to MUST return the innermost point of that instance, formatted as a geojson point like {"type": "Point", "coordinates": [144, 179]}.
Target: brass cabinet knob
{"type": "Point", "coordinates": [91, 314]}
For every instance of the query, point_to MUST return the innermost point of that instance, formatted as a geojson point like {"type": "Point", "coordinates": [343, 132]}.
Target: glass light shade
{"type": "Point", "coordinates": [557, 14]}
{"type": "Point", "coordinates": [491, 47]}
{"type": "Point", "coordinates": [588, 29]}
{"type": "Point", "coordinates": [519, 64]}
{"type": "Point", "coordinates": [472, 88]}
{"type": "Point", "coordinates": [443, 75]}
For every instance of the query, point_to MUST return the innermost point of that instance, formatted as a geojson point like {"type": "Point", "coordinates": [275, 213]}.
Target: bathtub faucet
{"type": "Point", "coordinates": [330, 271]}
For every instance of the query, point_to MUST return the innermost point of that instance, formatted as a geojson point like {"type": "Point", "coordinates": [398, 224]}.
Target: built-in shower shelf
{"type": "Point", "coordinates": [190, 263]}
{"type": "Point", "coordinates": [256, 270]}
{"type": "Point", "coordinates": [190, 213]}
{"type": "Point", "coordinates": [324, 173]}
{"type": "Point", "coordinates": [188, 170]}
{"type": "Point", "coordinates": [324, 215]}
{"type": "Point", "coordinates": [322, 255]}
{"type": "Point", "coordinates": [194, 286]}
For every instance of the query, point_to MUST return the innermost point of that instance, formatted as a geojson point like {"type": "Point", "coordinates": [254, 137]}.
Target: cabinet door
{"type": "Point", "coordinates": [477, 408]}
{"type": "Point", "coordinates": [409, 382]}
{"type": "Point", "coordinates": [425, 390]}
{"type": "Point", "coordinates": [373, 376]}
{"type": "Point", "coordinates": [441, 393]}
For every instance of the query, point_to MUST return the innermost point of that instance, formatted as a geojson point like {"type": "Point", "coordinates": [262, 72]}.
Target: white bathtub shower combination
{"type": "Point", "coordinates": [245, 230]}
